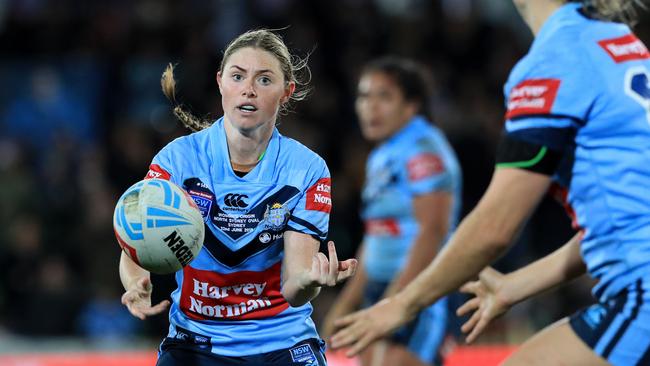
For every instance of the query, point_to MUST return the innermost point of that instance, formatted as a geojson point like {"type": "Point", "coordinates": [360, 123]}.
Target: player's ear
{"type": "Point", "coordinates": [219, 79]}
{"type": "Point", "coordinates": [288, 92]}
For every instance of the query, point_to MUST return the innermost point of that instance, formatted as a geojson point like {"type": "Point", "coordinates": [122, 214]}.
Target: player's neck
{"type": "Point", "coordinates": [536, 13]}
{"type": "Point", "coordinates": [246, 148]}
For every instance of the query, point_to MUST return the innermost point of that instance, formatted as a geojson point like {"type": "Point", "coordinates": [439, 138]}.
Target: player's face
{"type": "Point", "coordinates": [381, 107]}
{"type": "Point", "coordinates": [252, 88]}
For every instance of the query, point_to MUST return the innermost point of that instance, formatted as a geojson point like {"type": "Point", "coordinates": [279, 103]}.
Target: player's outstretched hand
{"type": "Point", "coordinates": [489, 302]}
{"type": "Point", "coordinates": [364, 327]}
{"type": "Point", "coordinates": [329, 272]}
{"type": "Point", "coordinates": [138, 300]}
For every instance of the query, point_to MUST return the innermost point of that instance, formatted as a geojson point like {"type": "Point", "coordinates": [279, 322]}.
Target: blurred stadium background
{"type": "Point", "coordinates": [81, 115]}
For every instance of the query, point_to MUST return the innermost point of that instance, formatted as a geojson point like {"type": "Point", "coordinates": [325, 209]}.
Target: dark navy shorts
{"type": "Point", "coordinates": [618, 330]}
{"type": "Point", "coordinates": [424, 336]}
{"type": "Point", "coordinates": [196, 352]}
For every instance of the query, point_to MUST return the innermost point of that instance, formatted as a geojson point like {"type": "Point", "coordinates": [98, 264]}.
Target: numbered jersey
{"type": "Point", "coordinates": [228, 298]}
{"type": "Point", "coordinates": [416, 160]}
{"type": "Point", "coordinates": [584, 88]}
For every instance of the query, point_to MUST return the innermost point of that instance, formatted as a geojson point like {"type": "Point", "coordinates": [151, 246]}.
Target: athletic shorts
{"type": "Point", "coordinates": [619, 329]}
{"type": "Point", "coordinates": [423, 336]}
{"type": "Point", "coordinates": [192, 349]}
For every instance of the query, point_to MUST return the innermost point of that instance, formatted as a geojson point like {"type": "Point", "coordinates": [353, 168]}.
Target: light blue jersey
{"type": "Point", "coordinates": [584, 88]}
{"type": "Point", "coordinates": [228, 298]}
{"type": "Point", "coordinates": [416, 160]}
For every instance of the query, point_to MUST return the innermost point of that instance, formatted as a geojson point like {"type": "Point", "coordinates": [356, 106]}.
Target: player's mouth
{"type": "Point", "coordinates": [247, 108]}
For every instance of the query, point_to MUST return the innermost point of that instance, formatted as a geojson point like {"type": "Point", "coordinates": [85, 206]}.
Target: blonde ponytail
{"type": "Point", "coordinates": [168, 84]}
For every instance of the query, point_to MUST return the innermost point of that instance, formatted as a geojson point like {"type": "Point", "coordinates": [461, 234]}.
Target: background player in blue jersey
{"type": "Point", "coordinates": [577, 115]}
{"type": "Point", "coordinates": [265, 199]}
{"type": "Point", "coordinates": [411, 200]}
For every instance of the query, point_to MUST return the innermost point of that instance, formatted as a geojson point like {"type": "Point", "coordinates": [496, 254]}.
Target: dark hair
{"type": "Point", "coordinates": [411, 77]}
{"type": "Point", "coordinates": [624, 11]}
{"type": "Point", "coordinates": [293, 68]}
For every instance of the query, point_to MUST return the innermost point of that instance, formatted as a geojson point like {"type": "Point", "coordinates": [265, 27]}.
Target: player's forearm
{"type": "Point", "coordinates": [297, 293]}
{"type": "Point", "coordinates": [563, 265]}
{"type": "Point", "coordinates": [130, 271]}
{"type": "Point", "coordinates": [479, 240]}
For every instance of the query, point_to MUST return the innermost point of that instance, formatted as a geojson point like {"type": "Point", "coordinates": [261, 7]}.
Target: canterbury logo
{"type": "Point", "coordinates": [235, 200]}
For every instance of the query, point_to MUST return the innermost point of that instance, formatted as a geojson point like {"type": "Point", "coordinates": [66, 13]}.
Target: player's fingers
{"type": "Point", "coordinates": [135, 311]}
{"type": "Point", "coordinates": [350, 266]}
{"type": "Point", "coordinates": [344, 337]}
{"type": "Point", "coordinates": [469, 287]}
{"type": "Point", "coordinates": [468, 306]}
{"type": "Point", "coordinates": [478, 329]}
{"type": "Point", "coordinates": [360, 345]}
{"type": "Point", "coordinates": [347, 320]}
{"type": "Point", "coordinates": [469, 325]}
{"type": "Point", "coordinates": [324, 268]}
{"type": "Point", "coordinates": [157, 309]}
{"type": "Point", "coordinates": [333, 264]}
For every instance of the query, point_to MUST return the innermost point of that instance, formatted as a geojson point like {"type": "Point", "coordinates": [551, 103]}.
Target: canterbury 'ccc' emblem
{"type": "Point", "coordinates": [235, 200]}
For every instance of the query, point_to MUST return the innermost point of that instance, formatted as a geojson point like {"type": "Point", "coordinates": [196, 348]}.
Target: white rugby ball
{"type": "Point", "coordinates": [158, 226]}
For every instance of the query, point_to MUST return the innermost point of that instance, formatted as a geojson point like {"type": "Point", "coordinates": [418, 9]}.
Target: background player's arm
{"type": "Point", "coordinates": [496, 293]}
{"type": "Point", "coordinates": [432, 212]}
{"type": "Point", "coordinates": [305, 269]}
{"type": "Point", "coordinates": [137, 283]}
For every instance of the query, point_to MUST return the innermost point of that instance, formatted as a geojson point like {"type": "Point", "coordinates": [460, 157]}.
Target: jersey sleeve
{"type": "Point", "coordinates": [312, 213]}
{"type": "Point", "coordinates": [167, 164]}
{"type": "Point", "coordinates": [549, 95]}
{"type": "Point", "coordinates": [425, 170]}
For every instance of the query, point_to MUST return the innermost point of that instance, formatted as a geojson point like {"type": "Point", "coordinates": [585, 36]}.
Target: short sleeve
{"type": "Point", "coordinates": [425, 169]}
{"type": "Point", "coordinates": [165, 164]}
{"type": "Point", "coordinates": [312, 212]}
{"type": "Point", "coordinates": [549, 95]}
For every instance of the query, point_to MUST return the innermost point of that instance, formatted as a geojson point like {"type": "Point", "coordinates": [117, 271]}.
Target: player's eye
{"type": "Point", "coordinates": [265, 80]}
{"type": "Point", "coordinates": [237, 77]}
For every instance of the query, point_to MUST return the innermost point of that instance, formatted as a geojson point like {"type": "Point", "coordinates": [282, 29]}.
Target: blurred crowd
{"type": "Point", "coordinates": [81, 116]}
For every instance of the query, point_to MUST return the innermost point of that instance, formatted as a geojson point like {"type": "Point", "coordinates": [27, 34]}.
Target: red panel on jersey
{"type": "Point", "coordinates": [626, 48]}
{"type": "Point", "coordinates": [319, 197]}
{"type": "Point", "coordinates": [379, 227]}
{"type": "Point", "coordinates": [155, 171]}
{"type": "Point", "coordinates": [207, 295]}
{"type": "Point", "coordinates": [424, 165]}
{"type": "Point", "coordinates": [532, 96]}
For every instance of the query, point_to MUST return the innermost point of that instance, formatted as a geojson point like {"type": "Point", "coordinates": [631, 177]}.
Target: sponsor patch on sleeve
{"type": "Point", "coordinates": [424, 165]}
{"type": "Point", "coordinates": [319, 197]}
{"type": "Point", "coordinates": [155, 171]}
{"type": "Point", "coordinates": [626, 48]}
{"type": "Point", "coordinates": [532, 96]}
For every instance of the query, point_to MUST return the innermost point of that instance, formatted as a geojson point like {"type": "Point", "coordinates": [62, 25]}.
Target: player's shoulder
{"type": "Point", "coordinates": [295, 154]}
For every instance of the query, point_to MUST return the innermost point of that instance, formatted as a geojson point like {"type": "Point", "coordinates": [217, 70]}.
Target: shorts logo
{"type": "Point", "coordinates": [319, 197]}
{"type": "Point", "coordinates": [626, 48]}
{"type": "Point", "coordinates": [532, 96]}
{"type": "Point", "coordinates": [155, 171]}
{"type": "Point", "coordinates": [303, 353]}
{"type": "Point", "coordinates": [423, 166]}
{"type": "Point", "coordinates": [235, 200]}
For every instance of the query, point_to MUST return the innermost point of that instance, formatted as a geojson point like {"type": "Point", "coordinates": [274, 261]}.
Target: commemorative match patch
{"type": "Point", "coordinates": [626, 48]}
{"type": "Point", "coordinates": [319, 197]}
{"type": "Point", "coordinates": [155, 171]}
{"type": "Point", "coordinates": [532, 96]}
{"type": "Point", "coordinates": [303, 353]}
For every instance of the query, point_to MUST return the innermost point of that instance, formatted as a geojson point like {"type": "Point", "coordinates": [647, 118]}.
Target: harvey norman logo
{"type": "Point", "coordinates": [532, 97]}
{"type": "Point", "coordinates": [319, 196]}
{"type": "Point", "coordinates": [207, 295]}
{"type": "Point", "coordinates": [626, 48]}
